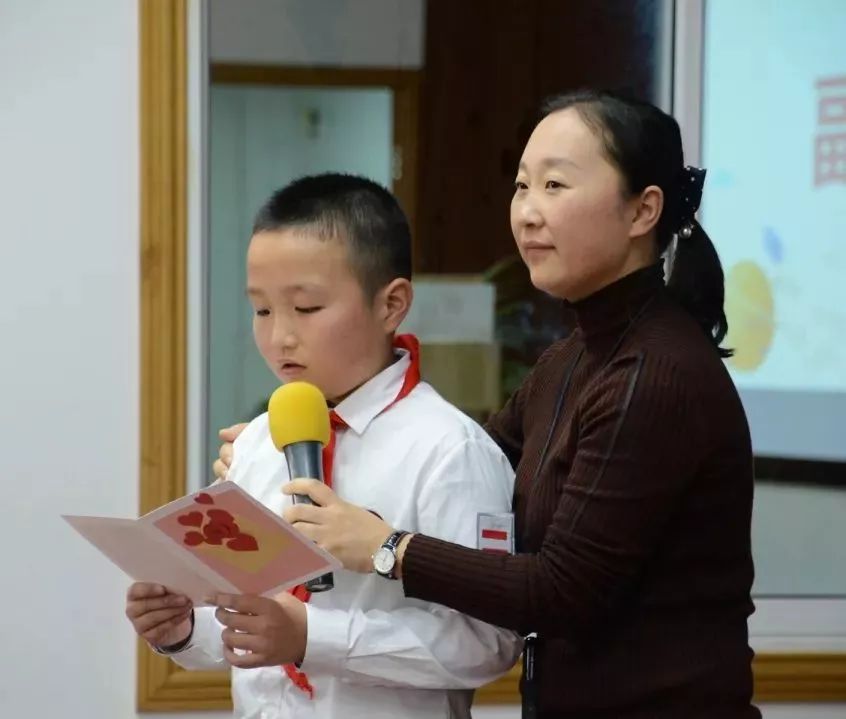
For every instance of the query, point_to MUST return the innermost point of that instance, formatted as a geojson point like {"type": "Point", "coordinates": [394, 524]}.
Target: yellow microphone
{"type": "Point", "coordinates": [299, 427]}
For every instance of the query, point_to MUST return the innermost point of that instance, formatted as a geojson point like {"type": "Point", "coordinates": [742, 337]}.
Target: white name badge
{"type": "Point", "coordinates": [495, 533]}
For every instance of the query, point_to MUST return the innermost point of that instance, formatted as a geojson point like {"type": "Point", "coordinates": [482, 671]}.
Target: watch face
{"type": "Point", "coordinates": [384, 560]}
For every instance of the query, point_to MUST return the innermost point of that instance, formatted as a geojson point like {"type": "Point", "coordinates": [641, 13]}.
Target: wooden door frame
{"type": "Point", "coordinates": [163, 34]}
{"type": "Point", "coordinates": [163, 686]}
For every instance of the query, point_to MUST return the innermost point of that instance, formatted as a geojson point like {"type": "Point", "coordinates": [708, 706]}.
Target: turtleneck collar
{"type": "Point", "coordinates": [615, 305]}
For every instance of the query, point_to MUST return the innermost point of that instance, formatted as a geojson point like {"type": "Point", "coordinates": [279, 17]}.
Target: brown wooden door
{"type": "Point", "coordinates": [488, 65]}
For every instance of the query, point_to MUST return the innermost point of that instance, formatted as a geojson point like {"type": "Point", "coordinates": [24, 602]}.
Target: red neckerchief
{"type": "Point", "coordinates": [411, 380]}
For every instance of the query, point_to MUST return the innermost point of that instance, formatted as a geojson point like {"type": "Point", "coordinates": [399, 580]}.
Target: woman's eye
{"type": "Point", "coordinates": [262, 313]}
{"type": "Point", "coordinates": [307, 310]}
{"type": "Point", "coordinates": [553, 185]}
{"type": "Point", "coordinates": [520, 185]}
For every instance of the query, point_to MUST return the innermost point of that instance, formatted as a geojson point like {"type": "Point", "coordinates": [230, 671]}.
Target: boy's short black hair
{"type": "Point", "coordinates": [354, 209]}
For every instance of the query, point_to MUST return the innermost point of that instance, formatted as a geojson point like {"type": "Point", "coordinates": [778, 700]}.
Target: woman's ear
{"type": "Point", "coordinates": [647, 211]}
{"type": "Point", "coordinates": [395, 303]}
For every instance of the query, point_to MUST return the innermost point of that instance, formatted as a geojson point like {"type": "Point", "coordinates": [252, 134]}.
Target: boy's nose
{"type": "Point", "coordinates": [284, 337]}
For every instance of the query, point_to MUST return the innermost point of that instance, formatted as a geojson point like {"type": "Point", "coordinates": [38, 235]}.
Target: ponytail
{"type": "Point", "coordinates": [696, 282]}
{"type": "Point", "coordinates": [696, 275]}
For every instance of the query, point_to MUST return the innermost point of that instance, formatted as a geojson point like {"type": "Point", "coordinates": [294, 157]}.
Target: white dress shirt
{"type": "Point", "coordinates": [371, 653]}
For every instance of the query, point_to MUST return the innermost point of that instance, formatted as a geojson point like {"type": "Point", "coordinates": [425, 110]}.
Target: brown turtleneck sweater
{"type": "Point", "coordinates": [634, 564]}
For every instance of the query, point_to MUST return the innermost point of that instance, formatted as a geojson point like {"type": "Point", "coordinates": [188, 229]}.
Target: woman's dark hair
{"type": "Point", "coordinates": [644, 143]}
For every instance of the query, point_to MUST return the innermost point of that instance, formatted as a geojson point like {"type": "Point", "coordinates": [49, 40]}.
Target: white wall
{"type": "Point", "coordinates": [69, 362]}
{"type": "Point", "coordinates": [375, 33]}
{"type": "Point", "coordinates": [798, 535]}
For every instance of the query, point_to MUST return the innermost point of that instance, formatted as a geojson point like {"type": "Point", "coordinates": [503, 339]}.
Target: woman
{"type": "Point", "coordinates": [634, 467]}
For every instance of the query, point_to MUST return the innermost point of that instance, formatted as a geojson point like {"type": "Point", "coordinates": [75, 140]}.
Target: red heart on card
{"type": "Point", "coordinates": [243, 543]}
{"type": "Point", "coordinates": [192, 519]}
{"type": "Point", "coordinates": [203, 498]}
{"type": "Point", "coordinates": [192, 539]}
{"type": "Point", "coordinates": [220, 516]}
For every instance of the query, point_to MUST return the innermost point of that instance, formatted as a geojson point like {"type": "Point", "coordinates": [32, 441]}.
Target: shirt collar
{"type": "Point", "coordinates": [361, 407]}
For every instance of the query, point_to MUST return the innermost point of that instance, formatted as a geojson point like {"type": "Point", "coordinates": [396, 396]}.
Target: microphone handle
{"type": "Point", "coordinates": [305, 460]}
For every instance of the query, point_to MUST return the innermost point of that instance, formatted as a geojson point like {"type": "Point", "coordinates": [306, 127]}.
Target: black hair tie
{"type": "Point", "coordinates": [691, 182]}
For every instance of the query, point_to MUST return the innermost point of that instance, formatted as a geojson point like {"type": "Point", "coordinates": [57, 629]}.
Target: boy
{"type": "Point", "coordinates": [328, 275]}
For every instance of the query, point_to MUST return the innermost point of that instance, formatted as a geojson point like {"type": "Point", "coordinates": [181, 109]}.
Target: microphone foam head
{"type": "Point", "coordinates": [297, 412]}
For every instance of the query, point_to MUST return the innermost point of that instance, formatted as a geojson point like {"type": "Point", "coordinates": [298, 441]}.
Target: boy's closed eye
{"type": "Point", "coordinates": [261, 312]}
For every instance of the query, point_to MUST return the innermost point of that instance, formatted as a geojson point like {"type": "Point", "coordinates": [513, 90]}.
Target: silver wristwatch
{"type": "Point", "coordinates": [385, 559]}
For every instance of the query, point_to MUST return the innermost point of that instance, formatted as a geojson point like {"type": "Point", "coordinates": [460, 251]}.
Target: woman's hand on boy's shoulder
{"type": "Point", "coordinates": [228, 435]}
